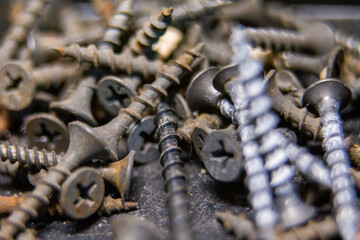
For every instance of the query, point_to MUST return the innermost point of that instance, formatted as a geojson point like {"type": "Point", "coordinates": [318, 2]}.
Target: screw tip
{"type": "Point", "coordinates": [167, 11]}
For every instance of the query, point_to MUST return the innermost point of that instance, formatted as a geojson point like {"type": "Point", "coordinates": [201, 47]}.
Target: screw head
{"type": "Point", "coordinates": [82, 193]}
{"type": "Point", "coordinates": [222, 156]}
{"type": "Point", "coordinates": [47, 131]}
{"type": "Point", "coordinates": [327, 88]}
{"type": "Point", "coordinates": [223, 76]}
{"type": "Point", "coordinates": [17, 88]}
{"type": "Point", "coordinates": [201, 95]}
{"type": "Point", "coordinates": [114, 93]}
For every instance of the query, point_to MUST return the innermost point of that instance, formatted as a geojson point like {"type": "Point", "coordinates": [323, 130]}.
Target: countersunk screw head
{"type": "Point", "coordinates": [224, 75]}
{"type": "Point", "coordinates": [17, 87]}
{"type": "Point", "coordinates": [82, 193]}
{"type": "Point", "coordinates": [327, 88]}
{"type": "Point", "coordinates": [222, 156]}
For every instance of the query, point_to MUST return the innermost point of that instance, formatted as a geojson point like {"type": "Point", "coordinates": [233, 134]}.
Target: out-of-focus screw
{"type": "Point", "coordinates": [82, 193]}
{"type": "Point", "coordinates": [173, 172]}
{"type": "Point", "coordinates": [46, 131]}
{"type": "Point", "coordinates": [328, 97]}
{"type": "Point", "coordinates": [18, 32]}
{"type": "Point", "coordinates": [153, 30]}
{"type": "Point", "coordinates": [77, 106]}
{"type": "Point", "coordinates": [114, 93]}
{"type": "Point", "coordinates": [117, 25]}
{"type": "Point", "coordinates": [9, 203]}
{"type": "Point", "coordinates": [100, 142]}
{"type": "Point", "coordinates": [316, 37]}
{"type": "Point", "coordinates": [240, 225]}
{"type": "Point", "coordinates": [110, 205]}
{"type": "Point", "coordinates": [116, 62]}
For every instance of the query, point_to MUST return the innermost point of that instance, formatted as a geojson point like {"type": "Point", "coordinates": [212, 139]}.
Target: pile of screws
{"type": "Point", "coordinates": [89, 90]}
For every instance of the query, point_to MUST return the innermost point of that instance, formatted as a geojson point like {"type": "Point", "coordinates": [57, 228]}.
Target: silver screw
{"type": "Point", "coordinates": [328, 97]}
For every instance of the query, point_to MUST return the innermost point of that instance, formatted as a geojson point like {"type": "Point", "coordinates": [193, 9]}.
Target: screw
{"type": "Point", "coordinates": [45, 130]}
{"type": "Point", "coordinates": [116, 62]}
{"type": "Point", "coordinates": [173, 172]}
{"type": "Point", "coordinates": [129, 227]}
{"type": "Point", "coordinates": [141, 139]}
{"type": "Point", "coordinates": [82, 193]}
{"type": "Point", "coordinates": [87, 142]}
{"type": "Point", "coordinates": [9, 169]}
{"type": "Point", "coordinates": [152, 31]}
{"type": "Point", "coordinates": [9, 203]}
{"type": "Point", "coordinates": [117, 25]}
{"type": "Point", "coordinates": [21, 28]}
{"type": "Point", "coordinates": [19, 84]}
{"type": "Point", "coordinates": [305, 162]}
{"type": "Point", "coordinates": [350, 43]}
{"type": "Point", "coordinates": [316, 37]}
{"type": "Point", "coordinates": [328, 97]}
{"type": "Point", "coordinates": [110, 205]}
{"type": "Point", "coordinates": [114, 93]}
{"type": "Point", "coordinates": [222, 155]}
{"type": "Point", "coordinates": [332, 61]}
{"type": "Point", "coordinates": [240, 225]}
{"type": "Point", "coordinates": [28, 156]}
{"type": "Point", "coordinates": [78, 104]}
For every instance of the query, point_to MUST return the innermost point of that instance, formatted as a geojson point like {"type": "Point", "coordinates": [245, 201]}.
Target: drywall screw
{"type": "Point", "coordinates": [77, 106]}
{"type": "Point", "coordinates": [114, 93]}
{"type": "Point", "coordinates": [173, 172]}
{"type": "Point", "coordinates": [46, 131]}
{"type": "Point", "coordinates": [212, 121]}
{"type": "Point", "coordinates": [141, 139]}
{"type": "Point", "coordinates": [297, 61]}
{"type": "Point", "coordinates": [325, 229]}
{"type": "Point", "coordinates": [9, 203]}
{"type": "Point", "coordinates": [288, 110]}
{"type": "Point", "coordinates": [117, 25]}
{"type": "Point", "coordinates": [328, 97]}
{"type": "Point", "coordinates": [110, 205]}
{"type": "Point", "coordinates": [129, 227]}
{"type": "Point", "coordinates": [152, 31]}
{"type": "Point", "coordinates": [181, 107]}
{"type": "Point", "coordinates": [18, 32]}
{"type": "Point", "coordinates": [116, 62]}
{"type": "Point", "coordinates": [316, 37]}
{"type": "Point", "coordinates": [306, 163]}
{"type": "Point", "coordinates": [19, 83]}
{"type": "Point", "coordinates": [240, 225]}
{"type": "Point", "coordinates": [100, 142]}
{"type": "Point", "coordinates": [82, 193]}
{"type": "Point", "coordinates": [9, 169]}
{"type": "Point", "coordinates": [222, 155]}
{"type": "Point", "coordinates": [28, 156]}
{"type": "Point", "coordinates": [350, 43]}
{"type": "Point", "coordinates": [196, 10]}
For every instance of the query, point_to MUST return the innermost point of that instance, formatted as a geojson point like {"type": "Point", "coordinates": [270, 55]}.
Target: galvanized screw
{"type": "Point", "coordinates": [173, 172]}
{"type": "Point", "coordinates": [328, 97]}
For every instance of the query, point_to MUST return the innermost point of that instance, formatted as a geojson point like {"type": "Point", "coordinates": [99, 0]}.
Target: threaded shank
{"type": "Point", "coordinates": [152, 31]}
{"type": "Point", "coordinates": [173, 173]}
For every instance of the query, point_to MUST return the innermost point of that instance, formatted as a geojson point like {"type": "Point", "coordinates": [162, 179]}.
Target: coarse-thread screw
{"type": "Point", "coordinates": [152, 31]}
{"type": "Point", "coordinates": [317, 37]}
{"type": "Point", "coordinates": [305, 162]}
{"type": "Point", "coordinates": [350, 43]}
{"type": "Point", "coordinates": [173, 172]}
{"type": "Point", "coordinates": [19, 31]}
{"type": "Point", "coordinates": [9, 169]}
{"type": "Point", "coordinates": [116, 62]}
{"type": "Point", "coordinates": [328, 97]}
{"type": "Point", "coordinates": [100, 142]}
{"type": "Point", "coordinates": [117, 25]}
{"type": "Point", "coordinates": [28, 156]}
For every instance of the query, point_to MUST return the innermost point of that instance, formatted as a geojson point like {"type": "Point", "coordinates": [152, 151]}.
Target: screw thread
{"type": "Point", "coordinates": [21, 28]}
{"type": "Point", "coordinates": [275, 40]}
{"type": "Point", "coordinates": [9, 169]}
{"type": "Point", "coordinates": [152, 31]}
{"type": "Point", "coordinates": [257, 179]}
{"type": "Point", "coordinates": [117, 25]}
{"type": "Point", "coordinates": [116, 62]}
{"type": "Point", "coordinates": [56, 175]}
{"type": "Point", "coordinates": [28, 156]}
{"type": "Point", "coordinates": [350, 43]}
{"type": "Point", "coordinates": [338, 160]}
{"type": "Point", "coordinates": [173, 172]}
